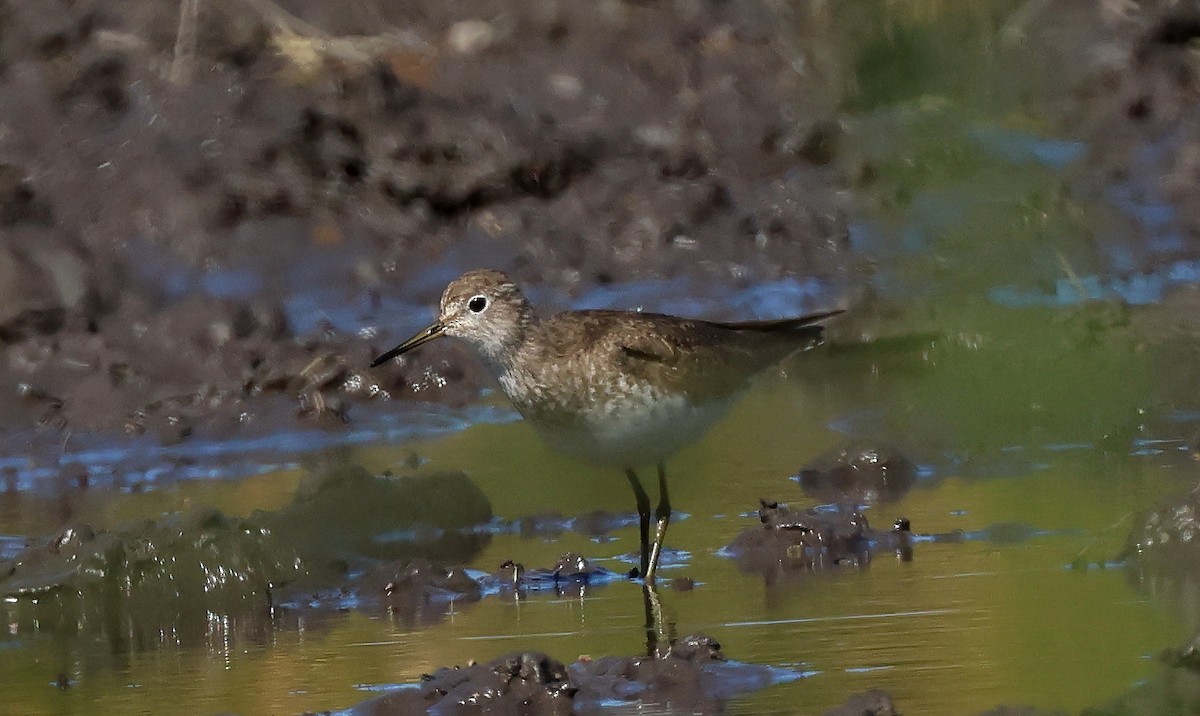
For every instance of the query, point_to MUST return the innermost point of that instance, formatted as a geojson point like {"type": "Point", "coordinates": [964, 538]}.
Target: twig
{"type": "Point", "coordinates": [1072, 277]}
{"type": "Point", "coordinates": [304, 43]}
{"type": "Point", "coordinates": [185, 42]}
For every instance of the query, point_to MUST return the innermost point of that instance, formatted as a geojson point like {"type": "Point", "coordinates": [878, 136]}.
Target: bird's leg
{"type": "Point", "coordinates": [643, 507]}
{"type": "Point", "coordinates": [663, 515]}
{"type": "Point", "coordinates": [657, 639]}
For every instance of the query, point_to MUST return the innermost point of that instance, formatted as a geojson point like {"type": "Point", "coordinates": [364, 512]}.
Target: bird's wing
{"type": "Point", "coordinates": [702, 359]}
{"type": "Point", "coordinates": [650, 349]}
{"type": "Point", "coordinates": [692, 357]}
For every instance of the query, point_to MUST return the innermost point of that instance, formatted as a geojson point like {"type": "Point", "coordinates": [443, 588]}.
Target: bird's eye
{"type": "Point", "coordinates": [477, 303]}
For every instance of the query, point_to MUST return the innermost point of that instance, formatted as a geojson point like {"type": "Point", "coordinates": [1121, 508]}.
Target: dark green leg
{"type": "Point", "coordinates": [657, 639]}
{"type": "Point", "coordinates": [663, 516]}
{"type": "Point", "coordinates": [643, 507]}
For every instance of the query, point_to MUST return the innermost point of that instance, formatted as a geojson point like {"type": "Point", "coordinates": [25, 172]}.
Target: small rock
{"type": "Point", "coordinates": [470, 37]}
{"type": "Point", "coordinates": [566, 86]}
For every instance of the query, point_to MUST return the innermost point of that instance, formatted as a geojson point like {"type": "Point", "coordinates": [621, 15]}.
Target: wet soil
{"type": "Point", "coordinates": [218, 234]}
{"type": "Point", "coordinates": [161, 233]}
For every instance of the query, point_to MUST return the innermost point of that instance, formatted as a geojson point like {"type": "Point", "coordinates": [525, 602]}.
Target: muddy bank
{"type": "Point", "coordinates": [224, 227]}
{"type": "Point", "coordinates": [1132, 96]}
{"type": "Point", "coordinates": [258, 217]}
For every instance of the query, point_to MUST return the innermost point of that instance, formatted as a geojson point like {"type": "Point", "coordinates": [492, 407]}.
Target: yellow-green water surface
{"type": "Point", "coordinates": [996, 617]}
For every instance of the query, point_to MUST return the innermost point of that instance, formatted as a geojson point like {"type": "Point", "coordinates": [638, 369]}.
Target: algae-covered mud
{"type": "Point", "coordinates": [978, 496]}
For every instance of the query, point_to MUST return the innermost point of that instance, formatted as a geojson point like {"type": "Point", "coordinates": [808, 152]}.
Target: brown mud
{"type": "Point", "coordinates": [219, 234]}
{"type": "Point", "coordinates": [161, 231]}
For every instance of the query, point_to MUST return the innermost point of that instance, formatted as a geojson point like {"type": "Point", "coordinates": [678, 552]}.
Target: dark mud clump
{"type": "Point", "coordinates": [328, 547]}
{"type": "Point", "coordinates": [154, 579]}
{"type": "Point", "coordinates": [528, 682]}
{"type": "Point", "coordinates": [875, 702]}
{"type": "Point", "coordinates": [858, 476]}
{"type": "Point", "coordinates": [1162, 556]}
{"type": "Point", "coordinates": [420, 592]}
{"type": "Point", "coordinates": [791, 542]}
{"type": "Point", "coordinates": [350, 540]}
{"type": "Point", "coordinates": [1163, 553]}
{"type": "Point", "coordinates": [1173, 690]}
{"type": "Point", "coordinates": [693, 676]}
{"type": "Point", "coordinates": [572, 575]}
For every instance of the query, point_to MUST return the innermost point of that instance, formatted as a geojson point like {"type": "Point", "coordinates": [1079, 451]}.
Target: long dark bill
{"type": "Point", "coordinates": [423, 337]}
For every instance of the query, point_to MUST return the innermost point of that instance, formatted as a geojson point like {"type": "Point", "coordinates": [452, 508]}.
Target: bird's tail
{"type": "Point", "coordinates": [784, 325]}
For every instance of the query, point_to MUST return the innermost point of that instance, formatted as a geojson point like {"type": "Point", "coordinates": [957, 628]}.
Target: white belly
{"type": "Point", "coordinates": [634, 432]}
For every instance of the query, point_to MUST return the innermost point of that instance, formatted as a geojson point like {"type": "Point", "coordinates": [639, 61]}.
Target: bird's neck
{"type": "Point", "coordinates": [505, 352]}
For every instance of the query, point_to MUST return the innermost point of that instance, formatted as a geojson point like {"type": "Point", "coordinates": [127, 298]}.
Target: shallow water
{"type": "Point", "coordinates": [998, 616]}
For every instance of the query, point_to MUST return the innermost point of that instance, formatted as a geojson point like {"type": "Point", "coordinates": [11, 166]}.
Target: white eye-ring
{"type": "Point", "coordinates": [477, 304]}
